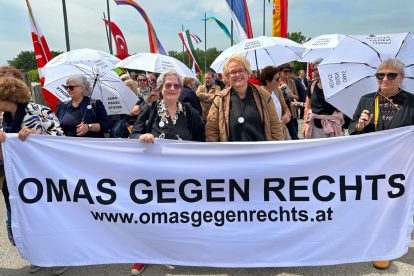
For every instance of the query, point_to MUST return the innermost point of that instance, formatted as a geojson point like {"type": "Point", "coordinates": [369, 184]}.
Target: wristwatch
{"type": "Point", "coordinates": [89, 127]}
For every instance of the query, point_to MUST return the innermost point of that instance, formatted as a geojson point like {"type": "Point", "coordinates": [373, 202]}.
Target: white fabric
{"type": "Point", "coordinates": [278, 106]}
{"type": "Point", "coordinates": [109, 88]}
{"type": "Point", "coordinates": [349, 72]}
{"type": "Point", "coordinates": [261, 51]}
{"type": "Point", "coordinates": [157, 63]}
{"type": "Point", "coordinates": [84, 55]}
{"type": "Point", "coordinates": [65, 233]}
{"type": "Point", "coordinates": [320, 46]}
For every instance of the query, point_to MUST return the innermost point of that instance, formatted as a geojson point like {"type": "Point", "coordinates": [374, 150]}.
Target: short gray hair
{"type": "Point", "coordinates": [82, 82]}
{"type": "Point", "coordinates": [164, 75]}
{"type": "Point", "coordinates": [393, 63]}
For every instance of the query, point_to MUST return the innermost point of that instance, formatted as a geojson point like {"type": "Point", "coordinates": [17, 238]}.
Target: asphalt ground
{"type": "Point", "coordinates": [11, 264]}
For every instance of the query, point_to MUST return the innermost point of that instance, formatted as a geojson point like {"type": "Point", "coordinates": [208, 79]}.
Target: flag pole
{"type": "Point", "coordinates": [231, 42]}
{"type": "Point", "coordinates": [264, 17]}
{"type": "Point", "coordinates": [182, 30]}
{"type": "Point", "coordinates": [65, 20]}
{"type": "Point", "coordinates": [205, 42]}
{"type": "Point", "coordinates": [106, 29]}
{"type": "Point", "coordinates": [109, 27]}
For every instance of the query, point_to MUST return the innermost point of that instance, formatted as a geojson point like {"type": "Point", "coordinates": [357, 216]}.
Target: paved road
{"type": "Point", "coordinates": [11, 264]}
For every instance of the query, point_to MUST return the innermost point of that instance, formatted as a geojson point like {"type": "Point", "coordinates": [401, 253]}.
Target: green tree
{"type": "Point", "coordinates": [212, 54]}
{"type": "Point", "coordinates": [299, 38]}
{"type": "Point", "coordinates": [26, 60]}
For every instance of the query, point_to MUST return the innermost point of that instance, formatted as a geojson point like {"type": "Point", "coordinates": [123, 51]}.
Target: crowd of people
{"type": "Point", "coordinates": [236, 106]}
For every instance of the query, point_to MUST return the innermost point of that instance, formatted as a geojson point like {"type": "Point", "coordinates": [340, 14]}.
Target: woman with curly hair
{"type": "Point", "coordinates": [23, 117]}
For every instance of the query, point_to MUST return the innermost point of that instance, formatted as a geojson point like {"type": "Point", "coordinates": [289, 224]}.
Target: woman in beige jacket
{"type": "Point", "coordinates": [242, 112]}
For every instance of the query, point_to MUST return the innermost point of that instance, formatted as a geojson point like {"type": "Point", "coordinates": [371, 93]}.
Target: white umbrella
{"type": "Point", "coordinates": [103, 59]}
{"type": "Point", "coordinates": [261, 51]}
{"type": "Point", "coordinates": [349, 72]}
{"type": "Point", "coordinates": [157, 63]}
{"type": "Point", "coordinates": [320, 46]}
{"type": "Point", "coordinates": [107, 86]}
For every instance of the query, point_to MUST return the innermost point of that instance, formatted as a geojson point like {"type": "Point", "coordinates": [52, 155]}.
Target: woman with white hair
{"type": "Point", "coordinates": [82, 116]}
{"type": "Point", "coordinates": [389, 107]}
{"type": "Point", "coordinates": [167, 118]}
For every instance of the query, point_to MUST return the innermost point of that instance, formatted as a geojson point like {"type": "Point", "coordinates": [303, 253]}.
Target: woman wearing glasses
{"type": "Point", "coordinates": [243, 111]}
{"type": "Point", "coordinates": [321, 119]}
{"type": "Point", "coordinates": [82, 116]}
{"type": "Point", "coordinates": [270, 80]}
{"type": "Point", "coordinates": [389, 107]}
{"type": "Point", "coordinates": [167, 118]}
{"type": "Point", "coordinates": [288, 87]}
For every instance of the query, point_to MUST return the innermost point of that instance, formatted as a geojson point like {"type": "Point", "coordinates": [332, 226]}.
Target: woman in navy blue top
{"type": "Point", "coordinates": [82, 116]}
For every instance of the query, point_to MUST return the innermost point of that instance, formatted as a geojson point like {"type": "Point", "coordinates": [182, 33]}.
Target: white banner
{"type": "Point", "coordinates": [80, 201]}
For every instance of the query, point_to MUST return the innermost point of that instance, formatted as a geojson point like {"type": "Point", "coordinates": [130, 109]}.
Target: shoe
{"type": "Point", "coordinates": [34, 268]}
{"type": "Point", "coordinates": [381, 264]}
{"type": "Point", "coordinates": [10, 234]}
{"type": "Point", "coordinates": [60, 270]}
{"type": "Point", "coordinates": [137, 269]}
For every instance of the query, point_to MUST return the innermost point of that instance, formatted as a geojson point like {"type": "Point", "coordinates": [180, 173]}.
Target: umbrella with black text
{"type": "Point", "coordinates": [349, 72]}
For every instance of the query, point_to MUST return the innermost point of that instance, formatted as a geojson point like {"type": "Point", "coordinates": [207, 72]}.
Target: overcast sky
{"type": "Point", "coordinates": [86, 30]}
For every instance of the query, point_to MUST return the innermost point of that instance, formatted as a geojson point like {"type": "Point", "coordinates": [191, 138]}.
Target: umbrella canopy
{"type": "Point", "coordinates": [320, 46]}
{"type": "Point", "coordinates": [85, 55]}
{"type": "Point", "coordinates": [157, 63]}
{"type": "Point", "coordinates": [107, 86]}
{"type": "Point", "coordinates": [261, 51]}
{"type": "Point", "coordinates": [349, 72]}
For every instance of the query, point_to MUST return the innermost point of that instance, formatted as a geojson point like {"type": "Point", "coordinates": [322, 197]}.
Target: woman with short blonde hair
{"type": "Point", "coordinates": [242, 111]}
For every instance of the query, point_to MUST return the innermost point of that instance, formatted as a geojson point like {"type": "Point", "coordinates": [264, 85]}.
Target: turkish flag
{"type": "Point", "coordinates": [43, 55]}
{"type": "Point", "coordinates": [121, 46]}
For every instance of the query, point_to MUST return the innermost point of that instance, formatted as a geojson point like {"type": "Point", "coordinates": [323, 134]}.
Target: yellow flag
{"type": "Point", "coordinates": [279, 18]}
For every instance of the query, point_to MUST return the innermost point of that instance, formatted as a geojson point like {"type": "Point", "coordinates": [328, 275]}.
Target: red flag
{"type": "Point", "coordinates": [43, 55]}
{"type": "Point", "coordinates": [120, 42]}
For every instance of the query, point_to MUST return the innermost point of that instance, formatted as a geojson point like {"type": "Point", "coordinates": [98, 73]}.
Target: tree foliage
{"type": "Point", "coordinates": [26, 60]}
{"type": "Point", "coordinates": [212, 54]}
{"type": "Point", "coordinates": [299, 38]}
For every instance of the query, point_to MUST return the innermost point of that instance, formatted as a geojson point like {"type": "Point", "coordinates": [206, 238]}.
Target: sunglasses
{"type": "Point", "coordinates": [142, 79]}
{"type": "Point", "coordinates": [168, 86]}
{"type": "Point", "coordinates": [390, 76]}
{"type": "Point", "coordinates": [70, 87]}
{"type": "Point", "coordinates": [287, 71]}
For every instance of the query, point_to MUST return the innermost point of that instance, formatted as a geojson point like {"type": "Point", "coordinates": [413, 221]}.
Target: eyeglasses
{"type": "Point", "coordinates": [142, 79]}
{"type": "Point", "coordinates": [70, 87]}
{"type": "Point", "coordinates": [238, 72]}
{"type": "Point", "coordinates": [390, 76]}
{"type": "Point", "coordinates": [168, 86]}
{"type": "Point", "coordinates": [287, 71]}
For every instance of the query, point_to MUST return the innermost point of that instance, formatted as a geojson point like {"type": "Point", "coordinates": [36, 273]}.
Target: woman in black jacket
{"type": "Point", "coordinates": [168, 118]}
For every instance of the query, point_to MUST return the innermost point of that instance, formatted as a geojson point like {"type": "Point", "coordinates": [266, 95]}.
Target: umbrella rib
{"type": "Point", "coordinates": [405, 38]}
{"type": "Point", "coordinates": [378, 54]}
